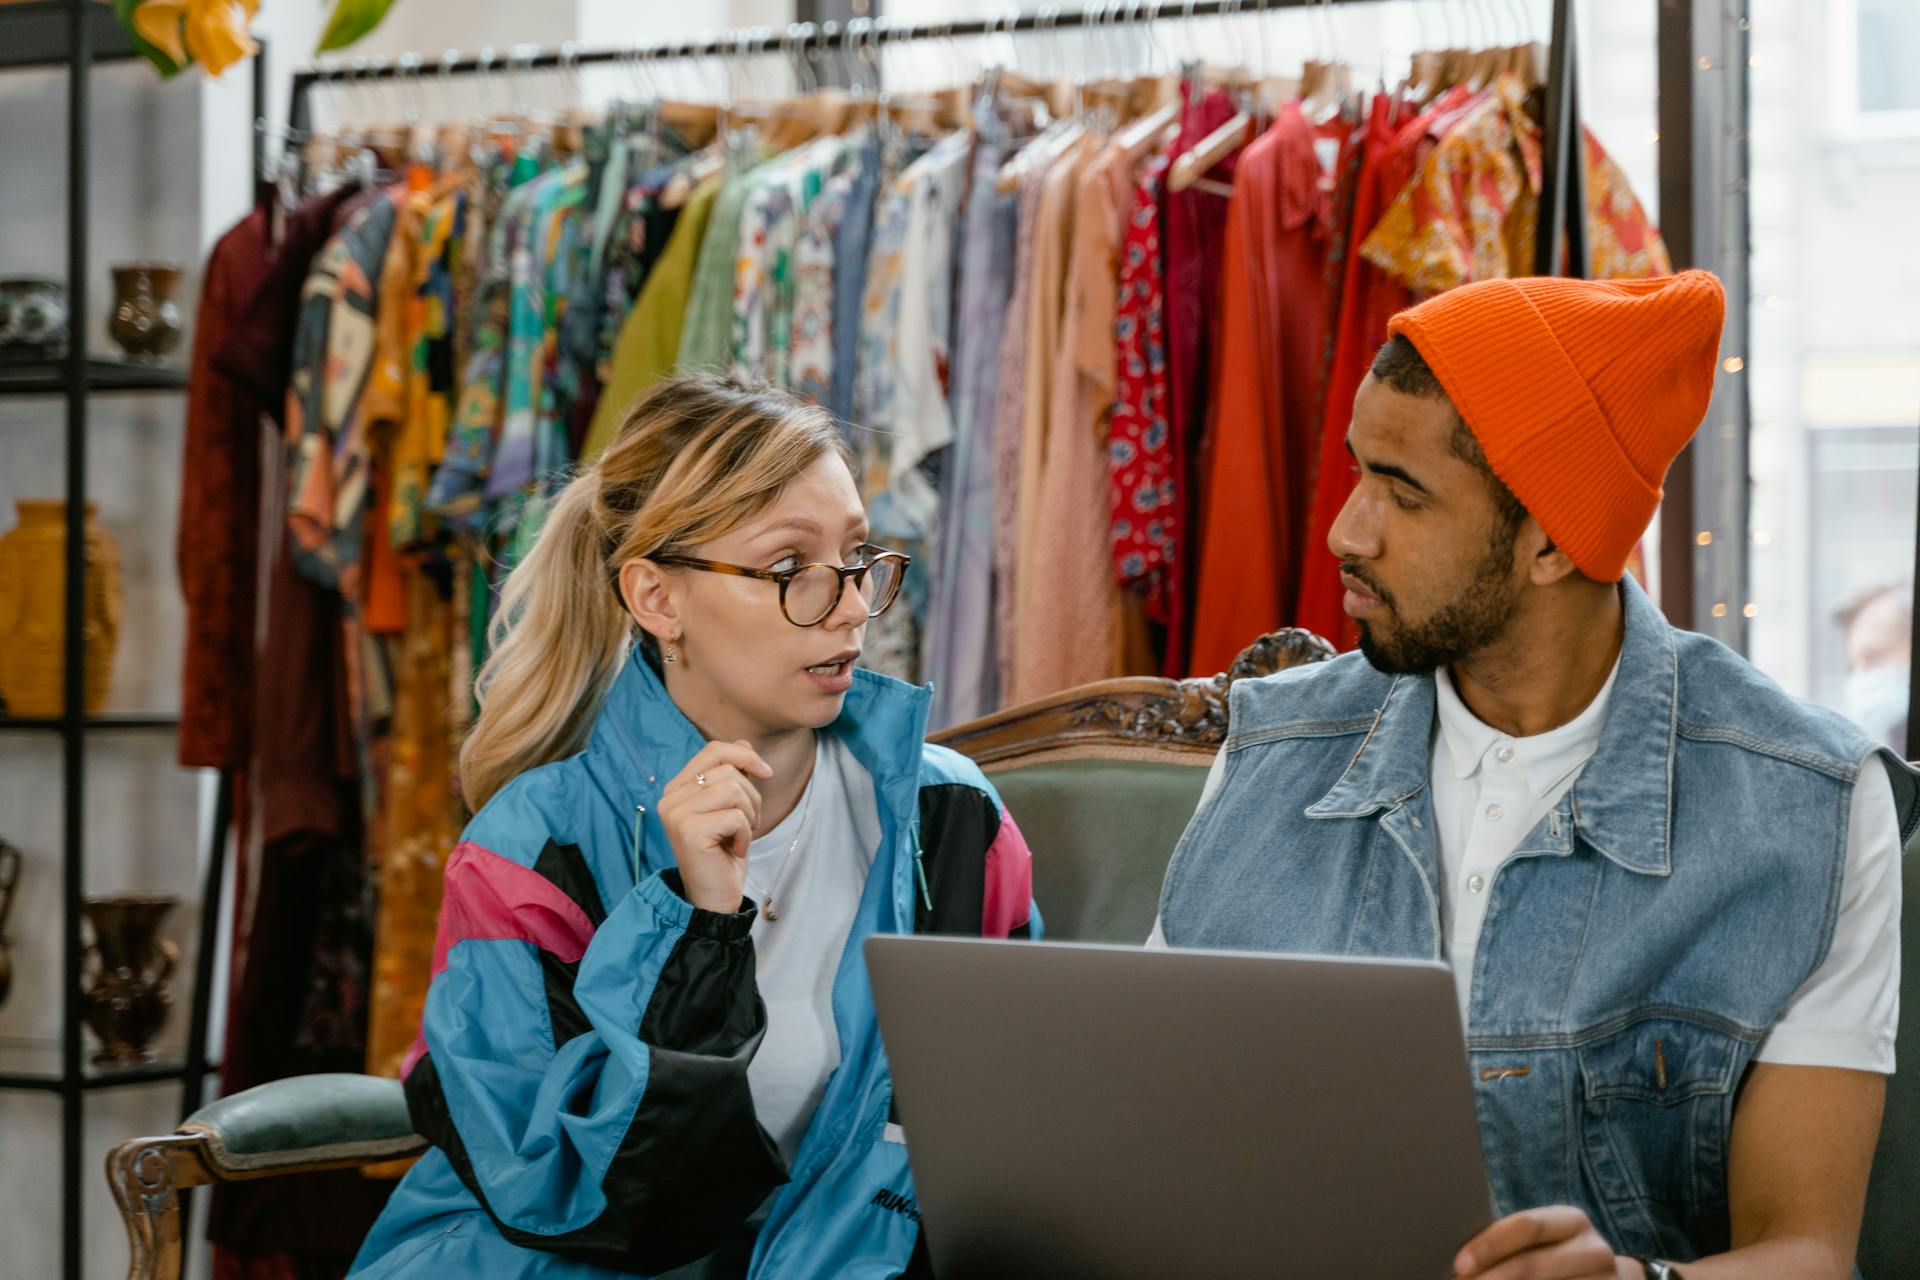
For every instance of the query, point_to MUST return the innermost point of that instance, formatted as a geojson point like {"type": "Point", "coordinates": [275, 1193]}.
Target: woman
{"type": "Point", "coordinates": [649, 1042]}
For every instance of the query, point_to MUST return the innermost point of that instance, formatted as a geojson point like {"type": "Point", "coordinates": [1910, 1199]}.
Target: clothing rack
{"type": "Point", "coordinates": [1562, 200]}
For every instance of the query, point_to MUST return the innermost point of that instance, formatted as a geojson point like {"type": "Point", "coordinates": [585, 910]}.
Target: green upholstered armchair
{"type": "Point", "coordinates": [1102, 780]}
{"type": "Point", "coordinates": [297, 1125]}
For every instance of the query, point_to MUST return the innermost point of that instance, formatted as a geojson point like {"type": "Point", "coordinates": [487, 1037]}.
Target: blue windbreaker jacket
{"type": "Point", "coordinates": [582, 1063]}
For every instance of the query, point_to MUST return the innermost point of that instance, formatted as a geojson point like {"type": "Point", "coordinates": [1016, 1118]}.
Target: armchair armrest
{"type": "Point", "coordinates": [296, 1125]}
{"type": "Point", "coordinates": [306, 1121]}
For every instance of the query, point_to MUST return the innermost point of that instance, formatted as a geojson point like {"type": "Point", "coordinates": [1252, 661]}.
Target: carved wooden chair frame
{"type": "Point", "coordinates": [147, 1176]}
{"type": "Point", "coordinates": [1133, 718]}
{"type": "Point", "coordinates": [1142, 717]}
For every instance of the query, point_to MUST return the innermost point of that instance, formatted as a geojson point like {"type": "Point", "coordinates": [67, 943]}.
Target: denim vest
{"type": "Point", "coordinates": [1636, 947]}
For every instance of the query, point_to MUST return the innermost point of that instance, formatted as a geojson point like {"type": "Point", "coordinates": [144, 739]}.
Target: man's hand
{"type": "Point", "coordinates": [1556, 1243]}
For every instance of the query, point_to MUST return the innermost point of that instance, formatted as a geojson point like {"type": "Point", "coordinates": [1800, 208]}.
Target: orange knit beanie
{"type": "Point", "coordinates": [1580, 393]}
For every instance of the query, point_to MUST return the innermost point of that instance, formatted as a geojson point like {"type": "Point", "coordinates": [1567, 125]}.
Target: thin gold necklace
{"type": "Point", "coordinates": [786, 866]}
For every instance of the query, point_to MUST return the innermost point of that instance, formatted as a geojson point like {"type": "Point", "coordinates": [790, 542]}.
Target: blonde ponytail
{"type": "Point", "coordinates": [699, 456]}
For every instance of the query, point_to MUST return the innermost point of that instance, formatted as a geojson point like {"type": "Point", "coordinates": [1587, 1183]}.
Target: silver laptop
{"type": "Point", "coordinates": [1090, 1111]}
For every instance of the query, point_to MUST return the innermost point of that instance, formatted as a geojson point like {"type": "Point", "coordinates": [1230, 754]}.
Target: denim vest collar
{"type": "Point", "coordinates": [1622, 803]}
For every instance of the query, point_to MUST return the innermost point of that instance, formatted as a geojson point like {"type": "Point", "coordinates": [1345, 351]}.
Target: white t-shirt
{"type": "Point", "coordinates": [796, 957]}
{"type": "Point", "coordinates": [1490, 790]}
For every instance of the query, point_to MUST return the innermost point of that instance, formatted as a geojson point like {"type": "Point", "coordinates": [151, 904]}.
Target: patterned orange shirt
{"type": "Point", "coordinates": [1469, 213]}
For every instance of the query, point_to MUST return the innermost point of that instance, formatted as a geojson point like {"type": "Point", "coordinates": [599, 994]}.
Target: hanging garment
{"type": "Point", "coordinates": [649, 342]}
{"type": "Point", "coordinates": [299, 988]}
{"type": "Point", "coordinates": [420, 824]}
{"type": "Point", "coordinates": [1072, 628]}
{"type": "Point", "coordinates": [381, 603]}
{"type": "Point", "coordinates": [1350, 154]}
{"type": "Point", "coordinates": [960, 643]}
{"type": "Point", "coordinates": [763, 285]}
{"type": "Point", "coordinates": [851, 243]}
{"type": "Point", "coordinates": [256, 353]}
{"type": "Point", "coordinates": [1469, 213]}
{"type": "Point", "coordinates": [641, 232]}
{"type": "Point", "coordinates": [327, 432]}
{"type": "Point", "coordinates": [1034, 672]}
{"type": "Point", "coordinates": [345, 379]}
{"type": "Point", "coordinates": [295, 1006]}
{"type": "Point", "coordinates": [420, 812]}
{"type": "Point", "coordinates": [1010, 400]}
{"type": "Point", "coordinates": [422, 438]}
{"type": "Point", "coordinates": [706, 335]}
{"type": "Point", "coordinates": [1146, 507]}
{"type": "Point", "coordinates": [458, 491]}
{"type": "Point", "coordinates": [216, 550]}
{"type": "Point", "coordinates": [812, 335]}
{"type": "Point", "coordinates": [527, 448]}
{"type": "Point", "coordinates": [1194, 225]}
{"type": "Point", "coordinates": [905, 362]}
{"type": "Point", "coordinates": [1263, 432]}
{"type": "Point", "coordinates": [612, 156]}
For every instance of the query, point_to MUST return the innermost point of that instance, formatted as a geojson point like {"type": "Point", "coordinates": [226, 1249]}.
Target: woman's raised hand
{"type": "Point", "coordinates": [709, 811]}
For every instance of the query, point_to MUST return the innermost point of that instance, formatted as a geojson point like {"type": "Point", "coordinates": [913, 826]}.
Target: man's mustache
{"type": "Point", "coordinates": [1360, 575]}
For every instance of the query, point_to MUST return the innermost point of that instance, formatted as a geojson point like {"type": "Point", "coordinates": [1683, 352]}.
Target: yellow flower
{"type": "Point", "coordinates": [212, 32]}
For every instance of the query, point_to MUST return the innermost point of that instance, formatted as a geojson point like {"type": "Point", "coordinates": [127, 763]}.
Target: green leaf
{"type": "Point", "coordinates": [167, 67]}
{"type": "Point", "coordinates": [352, 19]}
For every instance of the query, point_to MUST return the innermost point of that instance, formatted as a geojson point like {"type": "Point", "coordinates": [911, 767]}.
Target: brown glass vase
{"type": "Point", "coordinates": [33, 585]}
{"type": "Point", "coordinates": [145, 321]}
{"type": "Point", "coordinates": [125, 997]}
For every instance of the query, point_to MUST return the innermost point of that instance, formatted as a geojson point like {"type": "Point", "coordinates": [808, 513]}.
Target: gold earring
{"type": "Point", "coordinates": [671, 655]}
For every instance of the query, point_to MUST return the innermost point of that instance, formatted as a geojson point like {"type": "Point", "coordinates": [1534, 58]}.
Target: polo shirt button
{"type": "Point", "coordinates": [1504, 755]}
{"type": "Point", "coordinates": [1476, 883]}
{"type": "Point", "coordinates": [1495, 813]}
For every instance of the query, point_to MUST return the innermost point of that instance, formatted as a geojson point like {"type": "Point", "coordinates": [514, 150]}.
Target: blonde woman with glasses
{"type": "Point", "coordinates": [649, 1045]}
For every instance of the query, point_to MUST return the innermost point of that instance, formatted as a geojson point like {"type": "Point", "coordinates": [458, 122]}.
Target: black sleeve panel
{"type": "Point", "coordinates": [958, 824]}
{"type": "Point", "coordinates": [695, 1162]}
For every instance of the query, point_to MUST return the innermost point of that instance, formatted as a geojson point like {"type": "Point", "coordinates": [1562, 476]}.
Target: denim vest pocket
{"type": "Point", "coordinates": [1655, 1119]}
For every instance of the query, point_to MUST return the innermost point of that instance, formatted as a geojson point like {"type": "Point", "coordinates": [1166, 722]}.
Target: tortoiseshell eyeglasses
{"type": "Point", "coordinates": [809, 593]}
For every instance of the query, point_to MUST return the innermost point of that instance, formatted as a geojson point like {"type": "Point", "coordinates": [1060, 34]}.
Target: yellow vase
{"type": "Point", "coordinates": [33, 581]}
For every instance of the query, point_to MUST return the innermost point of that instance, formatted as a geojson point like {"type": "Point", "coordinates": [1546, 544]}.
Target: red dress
{"type": "Point", "coordinates": [1148, 507]}
{"type": "Point", "coordinates": [1263, 420]}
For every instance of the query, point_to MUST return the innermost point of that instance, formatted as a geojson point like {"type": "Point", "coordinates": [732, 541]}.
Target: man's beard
{"type": "Point", "coordinates": [1463, 627]}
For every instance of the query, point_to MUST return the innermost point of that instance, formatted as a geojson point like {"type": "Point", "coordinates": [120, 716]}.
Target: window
{"type": "Point", "coordinates": [1833, 358]}
{"type": "Point", "coordinates": [1873, 46]}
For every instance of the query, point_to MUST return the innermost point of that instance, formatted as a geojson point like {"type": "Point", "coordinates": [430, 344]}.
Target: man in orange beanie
{"type": "Point", "coordinates": [1669, 892]}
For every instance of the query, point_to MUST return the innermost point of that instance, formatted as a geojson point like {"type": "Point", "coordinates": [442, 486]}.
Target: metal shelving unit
{"type": "Point", "coordinates": [102, 375]}
{"type": "Point", "coordinates": [76, 34]}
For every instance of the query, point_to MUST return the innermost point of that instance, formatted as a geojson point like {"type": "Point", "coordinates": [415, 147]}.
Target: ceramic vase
{"type": "Point", "coordinates": [33, 317]}
{"type": "Point", "coordinates": [33, 581]}
{"type": "Point", "coordinates": [124, 996]}
{"type": "Point", "coordinates": [145, 321]}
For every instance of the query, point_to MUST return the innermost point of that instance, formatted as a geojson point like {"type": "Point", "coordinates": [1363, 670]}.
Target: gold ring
{"type": "Point", "coordinates": [700, 779]}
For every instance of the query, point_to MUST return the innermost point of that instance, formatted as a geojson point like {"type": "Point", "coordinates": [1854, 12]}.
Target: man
{"type": "Point", "coordinates": [1669, 893]}
{"type": "Point", "coordinates": [1878, 627]}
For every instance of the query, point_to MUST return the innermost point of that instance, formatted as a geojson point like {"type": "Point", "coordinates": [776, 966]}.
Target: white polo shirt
{"type": "Point", "coordinates": [1490, 790]}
